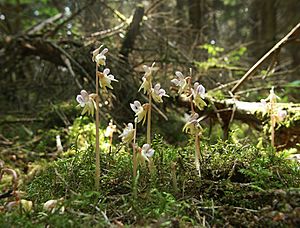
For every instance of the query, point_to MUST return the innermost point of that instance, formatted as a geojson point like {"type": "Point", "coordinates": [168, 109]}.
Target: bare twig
{"type": "Point", "coordinates": [294, 32]}
{"type": "Point", "coordinates": [58, 27]}
{"type": "Point", "coordinates": [39, 26]}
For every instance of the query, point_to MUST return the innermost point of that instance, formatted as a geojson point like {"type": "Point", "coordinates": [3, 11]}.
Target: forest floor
{"type": "Point", "coordinates": [240, 185]}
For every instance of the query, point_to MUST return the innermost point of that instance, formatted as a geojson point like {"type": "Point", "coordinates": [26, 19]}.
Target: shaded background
{"type": "Point", "coordinates": [45, 55]}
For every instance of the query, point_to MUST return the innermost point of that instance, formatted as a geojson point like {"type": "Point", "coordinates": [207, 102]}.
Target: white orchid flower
{"type": "Point", "coordinates": [99, 58]}
{"type": "Point", "coordinates": [110, 129]}
{"type": "Point", "coordinates": [128, 133]}
{"type": "Point", "coordinates": [25, 204]}
{"type": "Point", "coordinates": [264, 106]}
{"type": "Point", "coordinates": [149, 70]}
{"type": "Point", "coordinates": [192, 125]}
{"type": "Point", "coordinates": [146, 84]}
{"type": "Point", "coordinates": [180, 82]}
{"type": "Point", "coordinates": [157, 93]}
{"type": "Point", "coordinates": [272, 98]}
{"type": "Point", "coordinates": [140, 111]}
{"type": "Point", "coordinates": [198, 93]}
{"type": "Point", "coordinates": [105, 79]}
{"type": "Point", "coordinates": [147, 152]}
{"type": "Point", "coordinates": [86, 101]}
{"type": "Point", "coordinates": [281, 114]}
{"type": "Point", "coordinates": [53, 205]}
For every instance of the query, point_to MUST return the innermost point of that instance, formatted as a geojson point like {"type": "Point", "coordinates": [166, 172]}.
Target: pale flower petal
{"type": "Point", "coordinates": [84, 95]}
{"type": "Point", "coordinates": [86, 101]}
{"type": "Point", "coordinates": [80, 100]}
{"type": "Point", "coordinates": [106, 71]}
{"type": "Point", "coordinates": [147, 152]}
{"type": "Point", "coordinates": [175, 81]}
{"type": "Point", "coordinates": [180, 82]}
{"type": "Point", "coordinates": [105, 79]}
{"type": "Point", "coordinates": [150, 153]}
{"type": "Point", "coordinates": [158, 93]}
{"type": "Point", "coordinates": [104, 51]}
{"type": "Point", "coordinates": [192, 125]}
{"type": "Point", "coordinates": [146, 84]}
{"type": "Point", "coordinates": [198, 93]}
{"type": "Point", "coordinates": [179, 74]}
{"type": "Point", "coordinates": [136, 106]}
{"type": "Point", "coordinates": [99, 58]}
{"type": "Point", "coordinates": [281, 114]}
{"type": "Point", "coordinates": [128, 133]}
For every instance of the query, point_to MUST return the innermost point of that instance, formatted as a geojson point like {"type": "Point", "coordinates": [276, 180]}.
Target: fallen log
{"type": "Point", "coordinates": [287, 132]}
{"type": "Point", "coordinates": [226, 111]}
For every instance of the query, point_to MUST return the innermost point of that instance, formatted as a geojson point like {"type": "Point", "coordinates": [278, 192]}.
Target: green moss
{"type": "Point", "coordinates": [234, 177]}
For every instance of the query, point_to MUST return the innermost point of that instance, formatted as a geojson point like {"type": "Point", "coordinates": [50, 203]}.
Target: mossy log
{"type": "Point", "coordinates": [287, 132]}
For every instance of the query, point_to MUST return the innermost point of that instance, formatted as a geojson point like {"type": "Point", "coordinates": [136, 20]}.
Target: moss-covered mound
{"type": "Point", "coordinates": [239, 186]}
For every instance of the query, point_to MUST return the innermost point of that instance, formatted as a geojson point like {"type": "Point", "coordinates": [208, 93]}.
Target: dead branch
{"type": "Point", "coordinates": [290, 36]}
{"type": "Point", "coordinates": [132, 33]}
{"type": "Point", "coordinates": [19, 120]}
{"type": "Point", "coordinates": [59, 26]}
{"type": "Point", "coordinates": [39, 26]}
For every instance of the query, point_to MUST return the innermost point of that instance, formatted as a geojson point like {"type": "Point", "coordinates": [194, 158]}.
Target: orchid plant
{"type": "Point", "coordinates": [139, 154]}
{"type": "Point", "coordinates": [26, 205]}
{"type": "Point", "coordinates": [196, 94]}
{"type": "Point", "coordinates": [143, 113]}
{"type": "Point", "coordinates": [109, 132]}
{"type": "Point", "coordinates": [90, 102]}
{"type": "Point", "coordinates": [129, 136]}
{"type": "Point", "coordinates": [156, 93]}
{"type": "Point", "coordinates": [276, 114]}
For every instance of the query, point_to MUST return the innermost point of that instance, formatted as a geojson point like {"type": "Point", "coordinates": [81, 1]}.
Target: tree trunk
{"type": "Point", "coordinates": [268, 22]}
{"type": "Point", "coordinates": [196, 13]}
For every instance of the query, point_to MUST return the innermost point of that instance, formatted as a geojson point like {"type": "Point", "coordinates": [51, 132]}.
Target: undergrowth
{"type": "Point", "coordinates": [240, 185]}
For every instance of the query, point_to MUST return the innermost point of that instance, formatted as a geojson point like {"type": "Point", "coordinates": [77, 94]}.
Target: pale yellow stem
{"type": "Point", "coordinates": [272, 123]}
{"type": "Point", "coordinates": [97, 174]}
{"type": "Point", "coordinates": [149, 121]}
{"type": "Point", "coordinates": [197, 154]}
{"type": "Point", "coordinates": [134, 151]}
{"type": "Point", "coordinates": [197, 140]}
{"type": "Point", "coordinates": [272, 130]}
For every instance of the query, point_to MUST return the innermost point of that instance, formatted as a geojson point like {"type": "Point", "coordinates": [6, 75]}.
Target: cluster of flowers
{"type": "Point", "coordinates": [142, 110]}
{"type": "Point", "coordinates": [197, 94]}
{"type": "Point", "coordinates": [268, 107]}
{"type": "Point", "coordinates": [276, 114]}
{"type": "Point", "coordinates": [86, 100]}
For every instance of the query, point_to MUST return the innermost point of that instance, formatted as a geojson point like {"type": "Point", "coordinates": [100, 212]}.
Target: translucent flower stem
{"type": "Point", "coordinates": [197, 154]}
{"type": "Point", "coordinates": [110, 142]}
{"type": "Point", "coordinates": [191, 97]}
{"type": "Point", "coordinates": [97, 149]}
{"type": "Point", "coordinates": [197, 140]}
{"type": "Point", "coordinates": [134, 151]}
{"type": "Point", "coordinates": [135, 164]}
{"type": "Point", "coordinates": [272, 130]}
{"type": "Point", "coordinates": [149, 121]}
{"type": "Point", "coordinates": [272, 123]}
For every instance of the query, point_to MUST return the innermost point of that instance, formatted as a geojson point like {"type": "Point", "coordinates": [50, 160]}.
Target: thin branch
{"type": "Point", "coordinates": [59, 26]}
{"type": "Point", "coordinates": [294, 32]}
